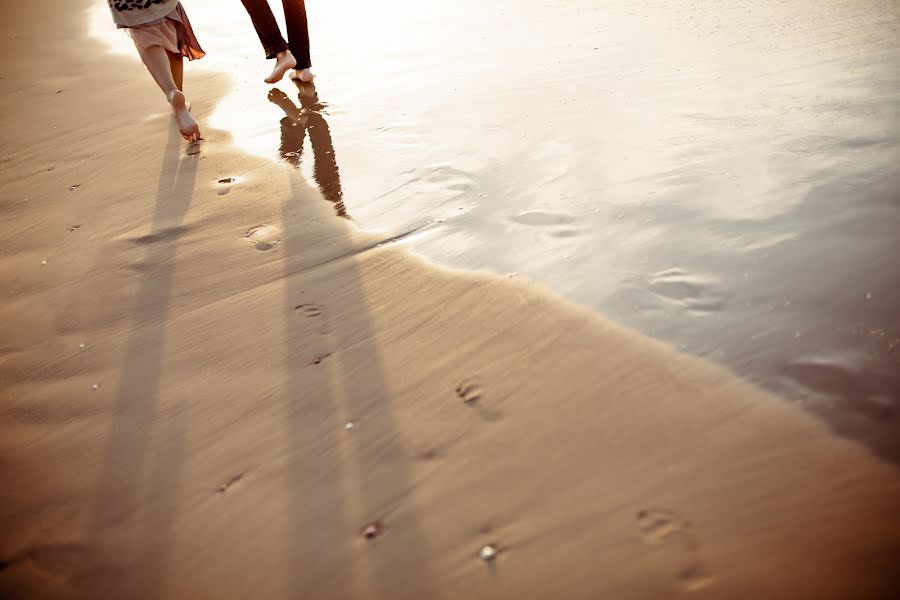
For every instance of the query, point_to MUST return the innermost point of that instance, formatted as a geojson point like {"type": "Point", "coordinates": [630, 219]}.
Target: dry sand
{"type": "Point", "coordinates": [176, 394]}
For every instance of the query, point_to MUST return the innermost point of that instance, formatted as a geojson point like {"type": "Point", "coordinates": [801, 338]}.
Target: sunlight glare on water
{"type": "Point", "coordinates": [356, 44]}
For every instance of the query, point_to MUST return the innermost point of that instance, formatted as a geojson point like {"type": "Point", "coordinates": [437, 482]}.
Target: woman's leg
{"type": "Point", "coordinates": [158, 63]}
{"type": "Point", "coordinates": [298, 36]}
{"type": "Point", "coordinates": [176, 66]}
{"type": "Point", "coordinates": [270, 36]}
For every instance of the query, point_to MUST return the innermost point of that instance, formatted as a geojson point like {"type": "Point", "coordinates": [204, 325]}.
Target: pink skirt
{"type": "Point", "coordinates": [173, 33]}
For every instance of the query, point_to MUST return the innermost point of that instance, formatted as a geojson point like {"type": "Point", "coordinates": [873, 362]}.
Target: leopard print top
{"type": "Point", "coordinates": [131, 13]}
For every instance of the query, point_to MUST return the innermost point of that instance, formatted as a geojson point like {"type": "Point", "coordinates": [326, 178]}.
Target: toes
{"type": "Point", "coordinates": [191, 134]}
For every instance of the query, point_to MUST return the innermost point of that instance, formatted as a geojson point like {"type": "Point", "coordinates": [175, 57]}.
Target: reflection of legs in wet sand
{"type": "Point", "coordinates": [167, 70]}
{"type": "Point", "coordinates": [293, 54]}
{"type": "Point", "coordinates": [294, 128]}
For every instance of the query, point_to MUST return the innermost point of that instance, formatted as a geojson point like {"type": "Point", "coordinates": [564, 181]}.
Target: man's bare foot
{"type": "Point", "coordinates": [304, 75]}
{"type": "Point", "coordinates": [186, 123]}
{"type": "Point", "coordinates": [284, 62]}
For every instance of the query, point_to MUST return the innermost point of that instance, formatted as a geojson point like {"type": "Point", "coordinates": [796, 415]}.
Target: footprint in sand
{"type": "Point", "coordinates": [545, 219]}
{"type": "Point", "coordinates": [659, 525]}
{"type": "Point", "coordinates": [225, 185]}
{"type": "Point", "coordinates": [309, 310]}
{"type": "Point", "coordinates": [695, 577]}
{"type": "Point", "coordinates": [470, 391]}
{"type": "Point", "coordinates": [666, 528]}
{"type": "Point", "coordinates": [317, 314]}
{"type": "Point", "coordinates": [694, 291]}
{"type": "Point", "coordinates": [263, 237]}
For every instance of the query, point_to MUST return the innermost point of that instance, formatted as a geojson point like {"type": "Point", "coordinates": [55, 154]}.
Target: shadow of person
{"type": "Point", "coordinates": [341, 482]}
{"type": "Point", "coordinates": [144, 438]}
{"type": "Point", "coordinates": [309, 117]}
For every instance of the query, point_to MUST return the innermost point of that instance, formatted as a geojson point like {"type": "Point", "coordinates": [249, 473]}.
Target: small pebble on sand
{"type": "Point", "coordinates": [96, 386]}
{"type": "Point", "coordinates": [488, 553]}
{"type": "Point", "coordinates": [372, 530]}
{"type": "Point", "coordinates": [349, 425]}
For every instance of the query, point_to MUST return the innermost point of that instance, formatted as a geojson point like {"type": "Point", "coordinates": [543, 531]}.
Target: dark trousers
{"type": "Point", "coordinates": [267, 29]}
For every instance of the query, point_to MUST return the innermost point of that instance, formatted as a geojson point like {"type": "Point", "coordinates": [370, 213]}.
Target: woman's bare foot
{"type": "Point", "coordinates": [284, 62]}
{"type": "Point", "coordinates": [304, 75]}
{"type": "Point", "coordinates": [186, 123]}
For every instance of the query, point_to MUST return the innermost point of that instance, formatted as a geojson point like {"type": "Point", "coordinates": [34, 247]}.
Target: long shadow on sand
{"type": "Point", "coordinates": [338, 479]}
{"type": "Point", "coordinates": [142, 439]}
{"type": "Point", "coordinates": [368, 467]}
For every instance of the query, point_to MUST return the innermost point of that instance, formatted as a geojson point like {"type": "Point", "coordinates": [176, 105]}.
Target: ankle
{"type": "Point", "coordinates": [177, 100]}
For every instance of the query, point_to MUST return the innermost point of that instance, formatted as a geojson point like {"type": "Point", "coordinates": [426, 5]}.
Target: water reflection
{"type": "Point", "coordinates": [309, 117]}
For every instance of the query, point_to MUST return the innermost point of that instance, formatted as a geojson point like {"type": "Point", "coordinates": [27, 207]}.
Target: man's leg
{"type": "Point", "coordinates": [298, 32]}
{"type": "Point", "coordinates": [270, 36]}
{"type": "Point", "coordinates": [266, 27]}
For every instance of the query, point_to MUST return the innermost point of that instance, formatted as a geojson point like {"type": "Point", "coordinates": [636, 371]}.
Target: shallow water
{"type": "Point", "coordinates": [723, 175]}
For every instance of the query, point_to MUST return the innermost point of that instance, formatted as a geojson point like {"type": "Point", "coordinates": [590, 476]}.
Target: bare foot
{"type": "Point", "coordinates": [304, 75]}
{"type": "Point", "coordinates": [186, 123]}
{"type": "Point", "coordinates": [284, 62]}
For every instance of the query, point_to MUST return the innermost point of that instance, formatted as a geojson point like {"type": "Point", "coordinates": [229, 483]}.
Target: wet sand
{"type": "Point", "coordinates": [719, 176]}
{"type": "Point", "coordinates": [212, 384]}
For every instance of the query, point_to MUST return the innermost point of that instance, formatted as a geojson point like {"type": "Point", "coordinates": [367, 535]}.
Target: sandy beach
{"type": "Point", "coordinates": [214, 385]}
